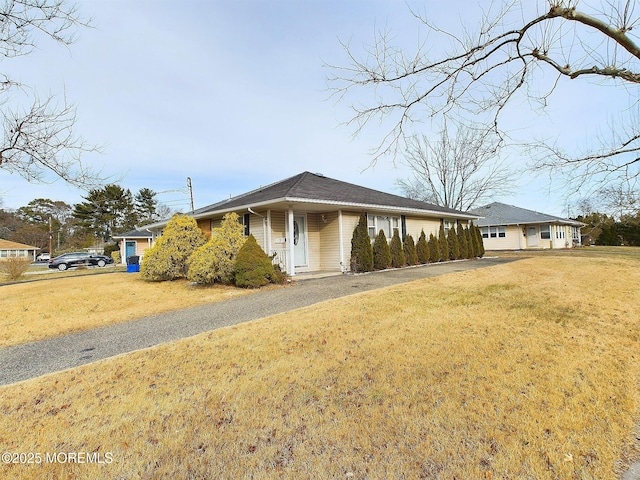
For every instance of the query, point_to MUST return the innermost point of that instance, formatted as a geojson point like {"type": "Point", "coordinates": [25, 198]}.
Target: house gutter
{"type": "Point", "coordinates": [354, 205]}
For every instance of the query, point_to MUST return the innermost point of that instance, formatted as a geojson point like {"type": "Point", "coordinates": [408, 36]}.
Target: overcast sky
{"type": "Point", "coordinates": [233, 95]}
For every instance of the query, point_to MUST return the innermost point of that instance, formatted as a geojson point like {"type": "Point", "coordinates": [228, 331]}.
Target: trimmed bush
{"type": "Point", "coordinates": [215, 261]}
{"type": "Point", "coordinates": [361, 250]}
{"type": "Point", "coordinates": [454, 247]}
{"type": "Point", "coordinates": [168, 259]}
{"type": "Point", "coordinates": [398, 258]}
{"type": "Point", "coordinates": [434, 249]}
{"type": "Point", "coordinates": [381, 252]}
{"type": "Point", "coordinates": [253, 267]}
{"type": "Point", "coordinates": [422, 249]}
{"type": "Point", "coordinates": [410, 253]}
{"type": "Point", "coordinates": [443, 244]}
{"type": "Point", "coordinates": [116, 257]}
{"type": "Point", "coordinates": [465, 248]}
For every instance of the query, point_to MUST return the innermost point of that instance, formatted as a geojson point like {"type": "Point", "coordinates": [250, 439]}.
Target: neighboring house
{"type": "Point", "coordinates": [10, 249]}
{"type": "Point", "coordinates": [307, 221]}
{"type": "Point", "coordinates": [505, 227]}
{"type": "Point", "coordinates": [133, 243]}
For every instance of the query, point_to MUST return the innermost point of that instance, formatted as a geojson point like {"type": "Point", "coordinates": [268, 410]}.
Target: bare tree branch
{"type": "Point", "coordinates": [458, 169]}
{"type": "Point", "coordinates": [483, 71]}
{"type": "Point", "coordinates": [40, 140]}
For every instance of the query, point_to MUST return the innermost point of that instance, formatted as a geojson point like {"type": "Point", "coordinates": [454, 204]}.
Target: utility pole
{"type": "Point", "coordinates": [190, 187]}
{"type": "Point", "coordinates": [50, 239]}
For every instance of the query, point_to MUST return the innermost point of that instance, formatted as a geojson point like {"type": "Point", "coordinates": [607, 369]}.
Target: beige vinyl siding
{"type": "Point", "coordinates": [349, 223]}
{"type": "Point", "coordinates": [329, 241]}
{"type": "Point", "coordinates": [257, 227]}
{"type": "Point", "coordinates": [313, 243]}
{"type": "Point", "coordinates": [415, 225]}
{"type": "Point", "coordinates": [514, 240]}
{"type": "Point", "coordinates": [278, 235]}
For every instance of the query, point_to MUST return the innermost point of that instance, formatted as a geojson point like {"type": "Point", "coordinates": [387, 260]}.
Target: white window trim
{"type": "Point", "coordinates": [394, 223]}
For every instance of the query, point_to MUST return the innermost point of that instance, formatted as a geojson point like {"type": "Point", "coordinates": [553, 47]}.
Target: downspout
{"type": "Point", "coordinates": [342, 267]}
{"type": "Point", "coordinates": [269, 246]}
{"type": "Point", "coordinates": [264, 228]}
{"type": "Point", "coordinates": [290, 254]}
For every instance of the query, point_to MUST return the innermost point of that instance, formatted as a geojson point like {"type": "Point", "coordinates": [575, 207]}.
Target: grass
{"type": "Point", "coordinates": [52, 307]}
{"type": "Point", "coordinates": [521, 371]}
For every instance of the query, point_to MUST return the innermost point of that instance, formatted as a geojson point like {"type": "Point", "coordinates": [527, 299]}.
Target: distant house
{"type": "Point", "coordinates": [10, 249]}
{"type": "Point", "coordinates": [133, 243]}
{"type": "Point", "coordinates": [307, 220]}
{"type": "Point", "coordinates": [505, 227]}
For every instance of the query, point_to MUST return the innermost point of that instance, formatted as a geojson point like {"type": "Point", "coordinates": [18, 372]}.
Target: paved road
{"type": "Point", "coordinates": [38, 358]}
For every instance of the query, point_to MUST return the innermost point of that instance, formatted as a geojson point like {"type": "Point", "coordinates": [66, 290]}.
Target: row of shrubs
{"type": "Point", "coordinates": [228, 257]}
{"type": "Point", "coordinates": [460, 243]}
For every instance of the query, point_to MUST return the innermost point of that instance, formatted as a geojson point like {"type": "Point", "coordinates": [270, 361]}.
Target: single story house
{"type": "Point", "coordinates": [10, 249]}
{"type": "Point", "coordinates": [133, 243]}
{"type": "Point", "coordinates": [505, 227]}
{"type": "Point", "coordinates": [307, 221]}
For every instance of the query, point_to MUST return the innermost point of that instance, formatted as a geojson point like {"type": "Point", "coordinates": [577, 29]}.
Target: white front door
{"type": "Point", "coordinates": [532, 236]}
{"type": "Point", "coordinates": [300, 241]}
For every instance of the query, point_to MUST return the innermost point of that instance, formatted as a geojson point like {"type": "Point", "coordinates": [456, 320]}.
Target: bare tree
{"type": "Point", "coordinates": [517, 47]}
{"type": "Point", "coordinates": [39, 139]}
{"type": "Point", "coordinates": [456, 170]}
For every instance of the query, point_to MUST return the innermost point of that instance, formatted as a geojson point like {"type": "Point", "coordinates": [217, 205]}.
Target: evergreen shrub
{"type": "Point", "coordinates": [410, 252]}
{"type": "Point", "coordinates": [168, 258]}
{"type": "Point", "coordinates": [422, 249]}
{"type": "Point", "coordinates": [454, 247]}
{"type": "Point", "coordinates": [214, 262]}
{"type": "Point", "coordinates": [479, 241]}
{"type": "Point", "coordinates": [465, 247]}
{"type": "Point", "coordinates": [443, 244]}
{"type": "Point", "coordinates": [470, 235]}
{"type": "Point", "coordinates": [434, 249]}
{"type": "Point", "coordinates": [361, 250]}
{"type": "Point", "coordinates": [253, 267]}
{"type": "Point", "coordinates": [381, 252]}
{"type": "Point", "coordinates": [398, 258]}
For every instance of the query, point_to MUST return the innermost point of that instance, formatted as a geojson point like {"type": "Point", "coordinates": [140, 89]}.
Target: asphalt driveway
{"type": "Point", "coordinates": [31, 360]}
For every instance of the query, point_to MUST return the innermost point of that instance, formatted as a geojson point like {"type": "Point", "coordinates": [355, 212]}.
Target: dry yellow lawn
{"type": "Point", "coordinates": [48, 308]}
{"type": "Point", "coordinates": [521, 371]}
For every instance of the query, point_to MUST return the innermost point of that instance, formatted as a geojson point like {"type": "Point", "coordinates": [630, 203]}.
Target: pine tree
{"type": "Point", "coordinates": [422, 249]}
{"type": "Point", "coordinates": [454, 247]}
{"type": "Point", "coordinates": [410, 253]}
{"type": "Point", "coordinates": [361, 251]}
{"type": "Point", "coordinates": [465, 248]}
{"type": "Point", "coordinates": [444, 245]}
{"type": "Point", "coordinates": [398, 258]}
{"type": "Point", "coordinates": [434, 249]}
{"type": "Point", "coordinates": [381, 252]}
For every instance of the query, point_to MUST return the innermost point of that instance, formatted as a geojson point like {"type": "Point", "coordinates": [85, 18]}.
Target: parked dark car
{"type": "Point", "coordinates": [76, 259]}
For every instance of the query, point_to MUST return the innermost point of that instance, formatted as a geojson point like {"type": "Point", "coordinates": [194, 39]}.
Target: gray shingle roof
{"type": "Point", "coordinates": [318, 188]}
{"type": "Point", "coordinates": [502, 214]}
{"type": "Point", "coordinates": [134, 234]}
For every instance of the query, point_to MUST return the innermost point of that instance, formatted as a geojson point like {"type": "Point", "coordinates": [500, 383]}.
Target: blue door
{"type": "Point", "coordinates": [130, 250]}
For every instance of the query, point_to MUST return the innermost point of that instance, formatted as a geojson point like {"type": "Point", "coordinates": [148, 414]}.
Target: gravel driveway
{"type": "Point", "coordinates": [31, 360]}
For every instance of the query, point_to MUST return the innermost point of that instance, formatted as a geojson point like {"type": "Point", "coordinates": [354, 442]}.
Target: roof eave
{"type": "Point", "coordinates": [336, 203]}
